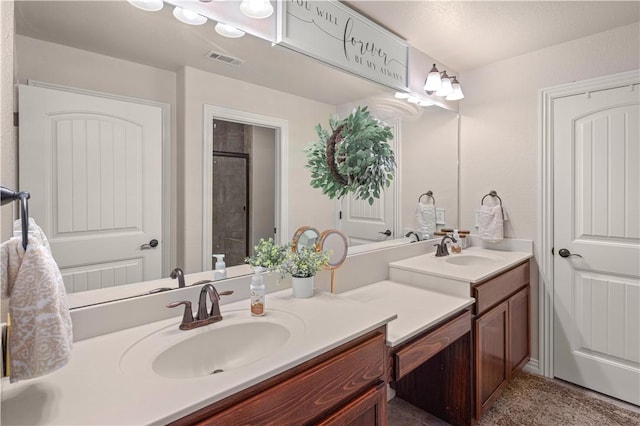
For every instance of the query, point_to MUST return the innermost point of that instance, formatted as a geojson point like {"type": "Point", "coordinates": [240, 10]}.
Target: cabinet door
{"type": "Point", "coordinates": [519, 330]}
{"type": "Point", "coordinates": [491, 356]}
{"type": "Point", "coordinates": [369, 409]}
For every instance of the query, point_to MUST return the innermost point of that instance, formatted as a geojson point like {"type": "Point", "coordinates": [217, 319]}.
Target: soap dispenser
{"type": "Point", "coordinates": [257, 291]}
{"type": "Point", "coordinates": [456, 247]}
{"type": "Point", "coordinates": [220, 271]}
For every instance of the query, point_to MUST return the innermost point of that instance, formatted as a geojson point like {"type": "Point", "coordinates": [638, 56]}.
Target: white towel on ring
{"type": "Point", "coordinates": [426, 219]}
{"type": "Point", "coordinates": [41, 332]}
{"type": "Point", "coordinates": [491, 223]}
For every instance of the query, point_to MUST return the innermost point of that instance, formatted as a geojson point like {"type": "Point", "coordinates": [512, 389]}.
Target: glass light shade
{"type": "Point", "coordinates": [456, 93]}
{"type": "Point", "coordinates": [425, 103]}
{"type": "Point", "coordinates": [401, 95]}
{"type": "Point", "coordinates": [433, 81]}
{"type": "Point", "coordinates": [258, 9]}
{"type": "Point", "coordinates": [446, 88]}
{"type": "Point", "coordinates": [228, 30]}
{"type": "Point", "coordinates": [413, 100]}
{"type": "Point", "coordinates": [189, 17]}
{"type": "Point", "coordinates": [148, 5]}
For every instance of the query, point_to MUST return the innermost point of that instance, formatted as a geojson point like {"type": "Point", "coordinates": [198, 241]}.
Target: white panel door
{"type": "Point", "coordinates": [365, 223]}
{"type": "Point", "coordinates": [597, 216]}
{"type": "Point", "coordinates": [93, 167]}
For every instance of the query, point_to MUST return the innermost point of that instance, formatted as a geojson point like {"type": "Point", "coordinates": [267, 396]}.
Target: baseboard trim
{"type": "Point", "coordinates": [532, 367]}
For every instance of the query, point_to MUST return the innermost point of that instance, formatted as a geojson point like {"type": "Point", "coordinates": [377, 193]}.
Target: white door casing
{"type": "Point", "coordinates": [365, 223]}
{"type": "Point", "coordinates": [93, 167]}
{"type": "Point", "coordinates": [596, 297]}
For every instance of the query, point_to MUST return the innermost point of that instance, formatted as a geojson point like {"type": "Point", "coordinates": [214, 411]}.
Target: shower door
{"type": "Point", "coordinates": [230, 206]}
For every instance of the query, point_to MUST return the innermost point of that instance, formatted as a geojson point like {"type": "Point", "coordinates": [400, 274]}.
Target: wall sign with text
{"type": "Point", "coordinates": [331, 32]}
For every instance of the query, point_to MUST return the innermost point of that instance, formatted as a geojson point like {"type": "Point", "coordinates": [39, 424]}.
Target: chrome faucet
{"type": "Point", "coordinates": [177, 273]}
{"type": "Point", "coordinates": [408, 234]}
{"type": "Point", "coordinates": [203, 316]}
{"type": "Point", "coordinates": [441, 248]}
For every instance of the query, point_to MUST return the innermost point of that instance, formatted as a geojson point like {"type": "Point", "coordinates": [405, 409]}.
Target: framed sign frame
{"type": "Point", "coordinates": [331, 32]}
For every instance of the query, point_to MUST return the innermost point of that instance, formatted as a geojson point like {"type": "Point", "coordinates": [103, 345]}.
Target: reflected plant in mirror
{"type": "Point", "coordinates": [354, 158]}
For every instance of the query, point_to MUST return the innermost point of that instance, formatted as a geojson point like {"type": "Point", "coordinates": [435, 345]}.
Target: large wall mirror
{"type": "Point", "coordinates": [113, 48]}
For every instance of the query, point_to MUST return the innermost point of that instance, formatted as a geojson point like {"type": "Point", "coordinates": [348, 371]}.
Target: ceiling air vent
{"type": "Point", "coordinates": [221, 57]}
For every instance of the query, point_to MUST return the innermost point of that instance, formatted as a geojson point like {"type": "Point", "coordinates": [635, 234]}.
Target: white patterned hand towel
{"type": "Point", "coordinates": [41, 333]}
{"type": "Point", "coordinates": [491, 223]}
{"type": "Point", "coordinates": [426, 219]}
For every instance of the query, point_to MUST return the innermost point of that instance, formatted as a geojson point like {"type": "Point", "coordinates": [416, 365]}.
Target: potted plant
{"type": "Point", "coordinates": [268, 255]}
{"type": "Point", "coordinates": [303, 264]}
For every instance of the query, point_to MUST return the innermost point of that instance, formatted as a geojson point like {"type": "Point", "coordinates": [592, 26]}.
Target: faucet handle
{"type": "Point", "coordinates": [187, 317]}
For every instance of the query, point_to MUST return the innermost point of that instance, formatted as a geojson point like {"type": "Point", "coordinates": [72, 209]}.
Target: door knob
{"type": "Point", "coordinates": [152, 244]}
{"type": "Point", "coordinates": [566, 253]}
{"type": "Point", "coordinates": [387, 232]}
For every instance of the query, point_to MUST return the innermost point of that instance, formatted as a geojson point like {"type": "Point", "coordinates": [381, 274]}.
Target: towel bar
{"type": "Point", "coordinates": [8, 196]}
{"type": "Point", "coordinates": [428, 194]}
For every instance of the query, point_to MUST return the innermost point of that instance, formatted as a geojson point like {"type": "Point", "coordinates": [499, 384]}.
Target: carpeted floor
{"type": "Point", "coordinates": [535, 400]}
{"type": "Point", "coordinates": [532, 401]}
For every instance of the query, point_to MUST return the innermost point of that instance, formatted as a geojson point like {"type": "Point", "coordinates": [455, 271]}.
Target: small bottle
{"type": "Point", "coordinates": [456, 247]}
{"type": "Point", "coordinates": [220, 270]}
{"type": "Point", "coordinates": [257, 291]}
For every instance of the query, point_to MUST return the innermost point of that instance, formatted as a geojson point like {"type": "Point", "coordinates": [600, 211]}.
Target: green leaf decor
{"type": "Point", "coordinates": [354, 158]}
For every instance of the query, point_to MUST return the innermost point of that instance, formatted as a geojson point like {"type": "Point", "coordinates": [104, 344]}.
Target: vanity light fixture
{"type": "Point", "coordinates": [228, 30]}
{"type": "Point", "coordinates": [258, 9]}
{"type": "Point", "coordinates": [187, 16]}
{"type": "Point", "coordinates": [401, 95]}
{"type": "Point", "coordinates": [148, 5]}
{"type": "Point", "coordinates": [433, 81]}
{"type": "Point", "coordinates": [446, 87]}
{"type": "Point", "coordinates": [456, 94]}
{"type": "Point", "coordinates": [413, 100]}
{"type": "Point", "coordinates": [425, 103]}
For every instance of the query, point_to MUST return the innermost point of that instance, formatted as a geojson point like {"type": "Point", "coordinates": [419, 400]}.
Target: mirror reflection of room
{"type": "Point", "coordinates": [243, 188]}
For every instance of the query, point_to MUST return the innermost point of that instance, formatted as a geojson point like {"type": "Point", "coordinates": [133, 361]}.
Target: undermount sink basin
{"type": "Point", "coordinates": [469, 260]}
{"type": "Point", "coordinates": [238, 341]}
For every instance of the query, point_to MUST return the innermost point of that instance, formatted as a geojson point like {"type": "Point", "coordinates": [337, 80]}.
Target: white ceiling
{"type": "Point", "coordinates": [461, 35]}
{"type": "Point", "coordinates": [468, 34]}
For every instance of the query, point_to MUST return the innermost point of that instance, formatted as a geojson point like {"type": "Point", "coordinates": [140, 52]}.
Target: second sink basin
{"type": "Point", "coordinates": [469, 260]}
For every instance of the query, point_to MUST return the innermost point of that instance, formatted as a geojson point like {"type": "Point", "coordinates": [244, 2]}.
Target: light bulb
{"type": "Point", "coordinates": [228, 30]}
{"type": "Point", "coordinates": [258, 9]}
{"type": "Point", "coordinates": [189, 17]}
{"type": "Point", "coordinates": [433, 81]}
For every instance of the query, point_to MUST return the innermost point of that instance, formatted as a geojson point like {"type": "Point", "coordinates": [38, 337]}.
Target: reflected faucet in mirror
{"type": "Point", "coordinates": [410, 233]}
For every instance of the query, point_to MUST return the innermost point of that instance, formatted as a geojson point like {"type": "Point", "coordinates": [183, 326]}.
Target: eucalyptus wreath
{"type": "Point", "coordinates": [354, 158]}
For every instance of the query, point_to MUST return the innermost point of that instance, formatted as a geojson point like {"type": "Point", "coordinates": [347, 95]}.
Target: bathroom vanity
{"type": "Point", "coordinates": [500, 317]}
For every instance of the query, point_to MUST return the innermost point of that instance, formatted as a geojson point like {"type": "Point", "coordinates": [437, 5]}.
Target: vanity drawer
{"type": "Point", "coordinates": [415, 353]}
{"type": "Point", "coordinates": [492, 292]}
{"type": "Point", "coordinates": [311, 393]}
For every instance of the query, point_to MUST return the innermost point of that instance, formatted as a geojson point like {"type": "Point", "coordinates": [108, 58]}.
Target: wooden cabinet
{"type": "Point", "coordinates": [343, 386]}
{"type": "Point", "coordinates": [501, 333]}
{"type": "Point", "coordinates": [433, 370]}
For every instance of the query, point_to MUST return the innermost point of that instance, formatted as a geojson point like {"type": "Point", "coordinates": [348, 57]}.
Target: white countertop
{"type": "Point", "coordinates": [418, 309]}
{"type": "Point", "coordinates": [497, 261]}
{"type": "Point", "coordinates": [97, 388]}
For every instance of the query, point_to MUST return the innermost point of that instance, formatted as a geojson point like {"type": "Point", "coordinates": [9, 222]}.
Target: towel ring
{"type": "Point", "coordinates": [492, 193]}
{"type": "Point", "coordinates": [428, 194]}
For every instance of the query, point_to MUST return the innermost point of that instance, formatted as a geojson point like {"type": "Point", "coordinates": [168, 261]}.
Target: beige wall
{"type": "Point", "coordinates": [430, 163]}
{"type": "Point", "coordinates": [307, 206]}
{"type": "Point", "coordinates": [9, 158]}
{"type": "Point", "coordinates": [499, 126]}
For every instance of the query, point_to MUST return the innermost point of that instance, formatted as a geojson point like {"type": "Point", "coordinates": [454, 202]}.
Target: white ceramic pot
{"type": "Point", "coordinates": [302, 287]}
